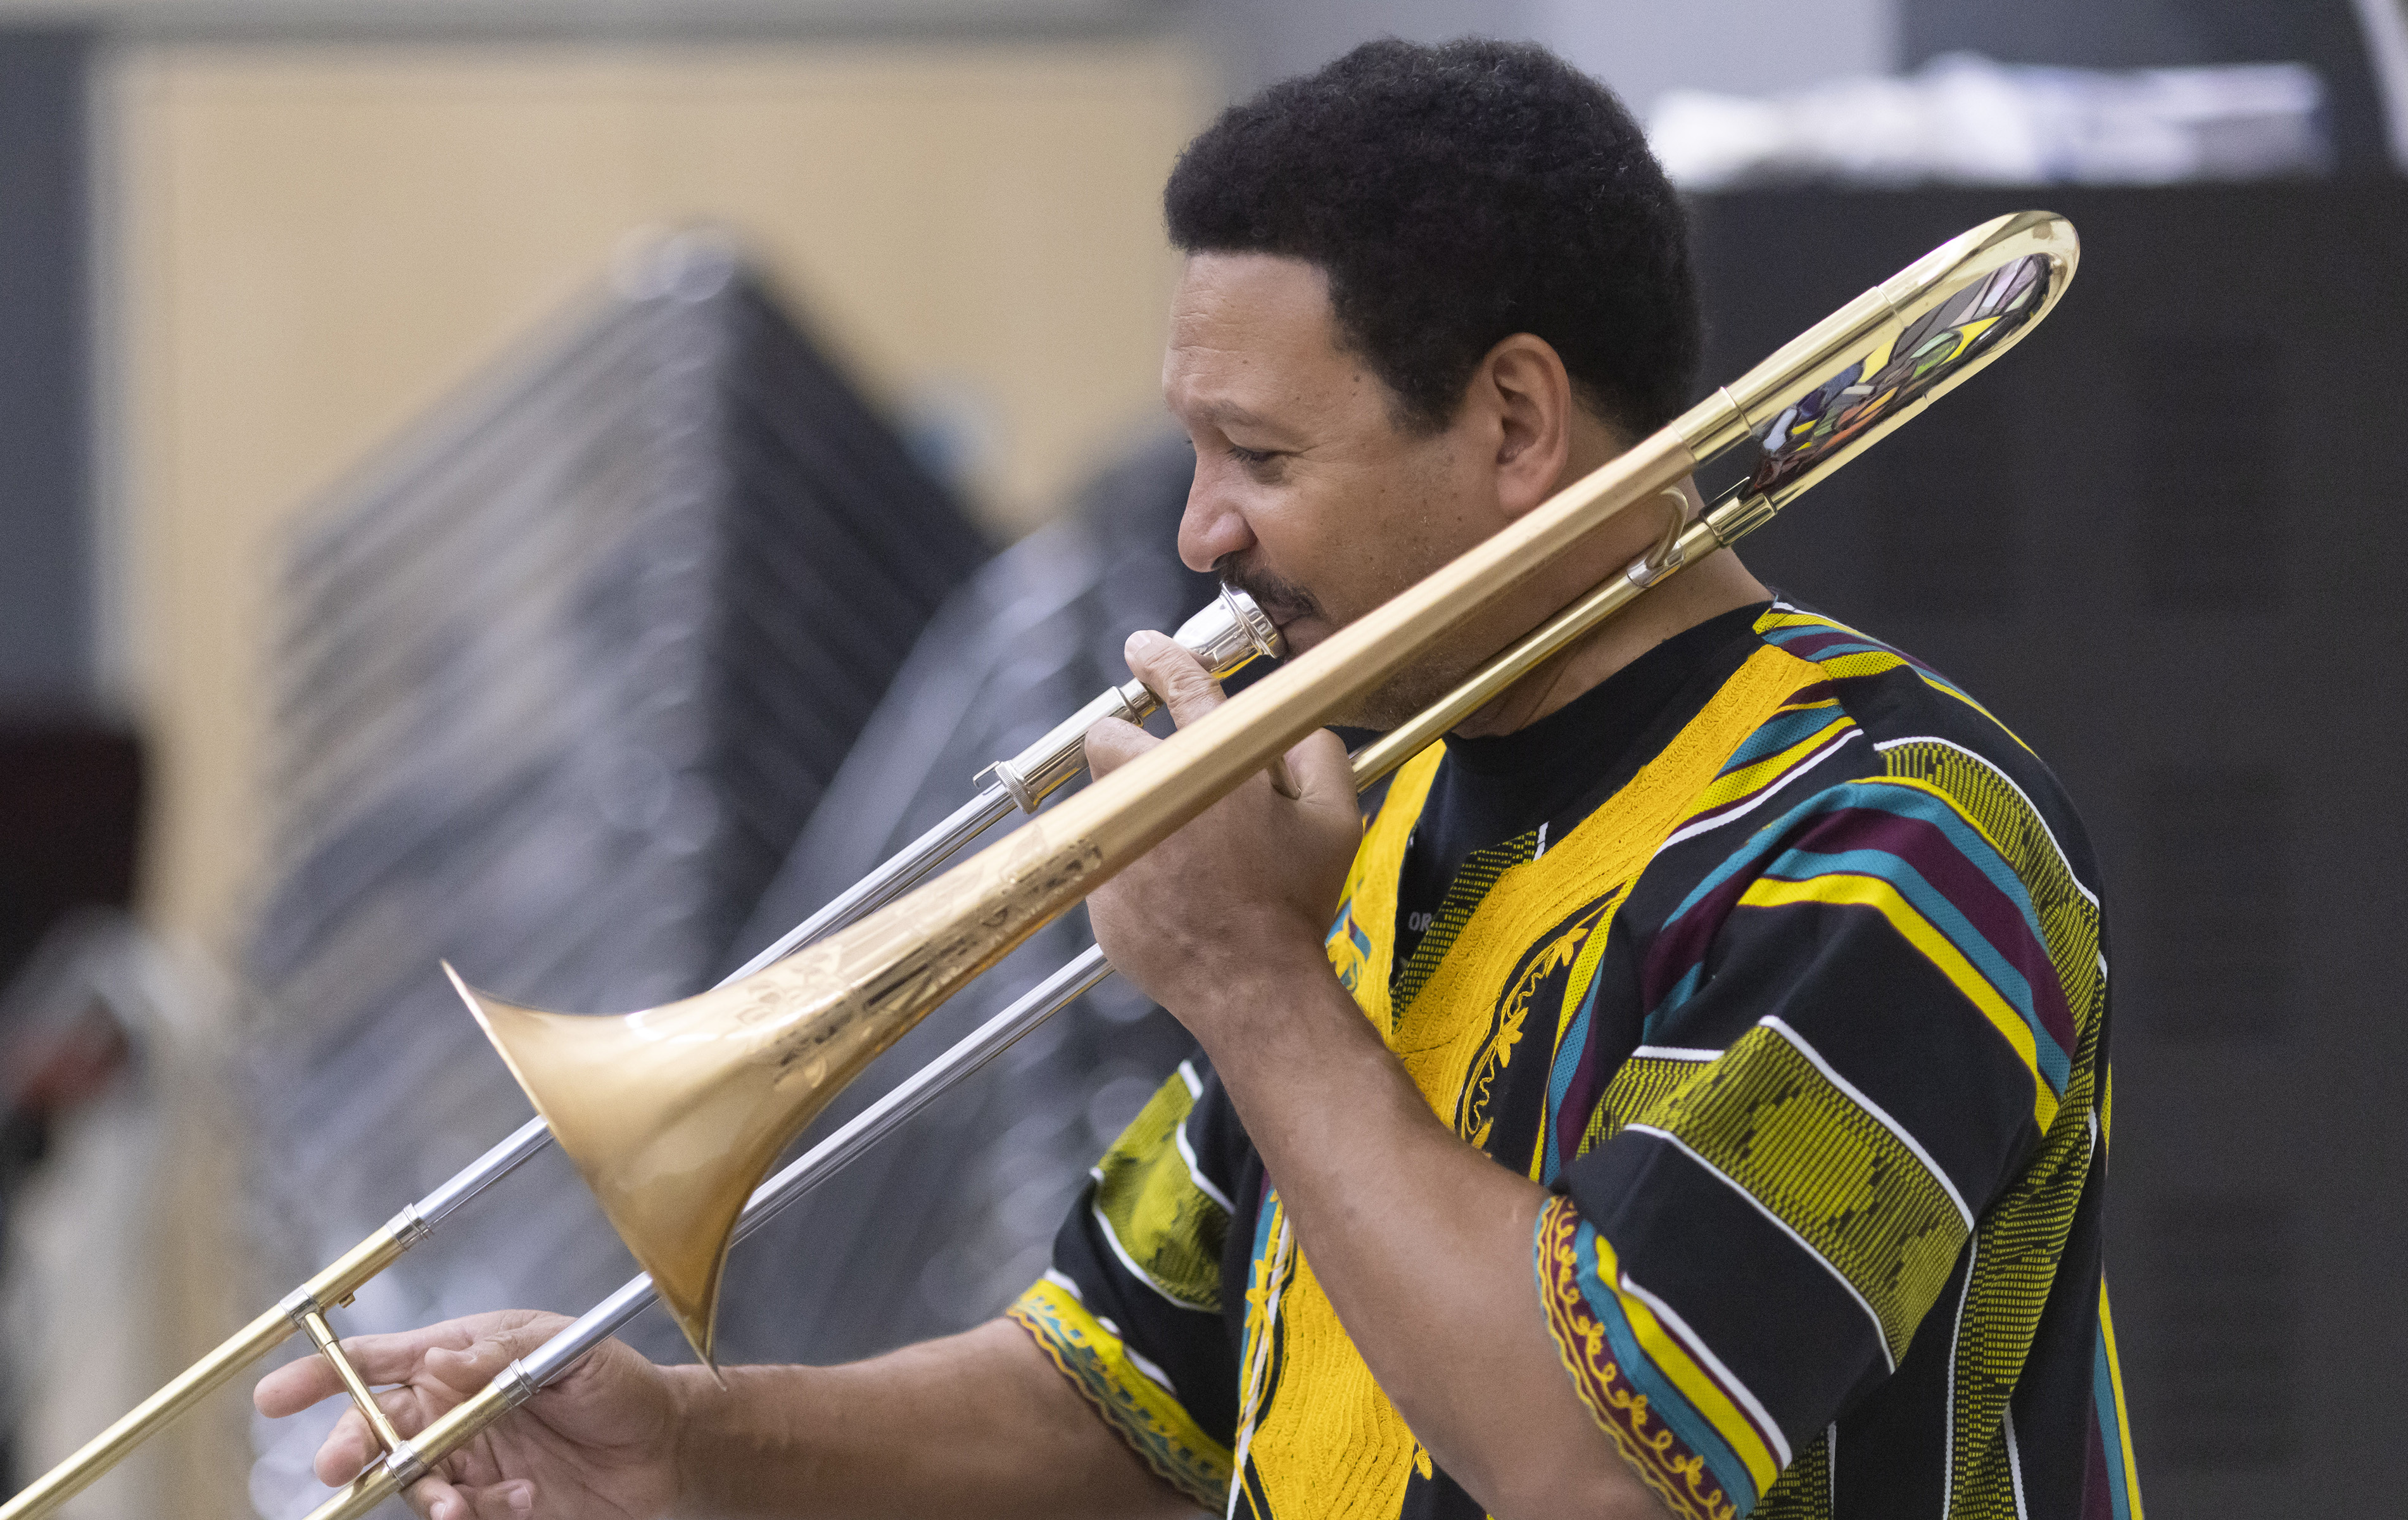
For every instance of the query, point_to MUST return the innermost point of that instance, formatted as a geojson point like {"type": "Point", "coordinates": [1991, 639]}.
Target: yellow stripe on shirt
{"type": "Point", "coordinates": [1673, 1358]}
{"type": "Point", "coordinates": [1748, 778]}
{"type": "Point", "coordinates": [2123, 1420]}
{"type": "Point", "coordinates": [1849, 890]}
{"type": "Point", "coordinates": [1146, 1414]}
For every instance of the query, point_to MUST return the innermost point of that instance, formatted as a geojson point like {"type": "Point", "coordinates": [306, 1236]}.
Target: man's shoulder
{"type": "Point", "coordinates": [1886, 690]}
{"type": "Point", "coordinates": [1882, 805]}
{"type": "Point", "coordinates": [1916, 721]}
{"type": "Point", "coordinates": [1854, 711]}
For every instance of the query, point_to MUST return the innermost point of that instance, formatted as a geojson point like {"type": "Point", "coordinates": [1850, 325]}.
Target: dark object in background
{"type": "Point", "coordinates": [563, 676]}
{"type": "Point", "coordinates": [55, 1055]}
{"type": "Point", "coordinates": [70, 827]}
{"type": "Point", "coordinates": [2325, 34]}
{"type": "Point", "coordinates": [61, 1042]}
{"type": "Point", "coordinates": [46, 577]}
{"type": "Point", "coordinates": [70, 818]}
{"type": "Point", "coordinates": [2162, 542]}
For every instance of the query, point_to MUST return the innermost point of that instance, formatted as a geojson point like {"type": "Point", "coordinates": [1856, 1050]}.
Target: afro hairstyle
{"type": "Point", "coordinates": [1456, 194]}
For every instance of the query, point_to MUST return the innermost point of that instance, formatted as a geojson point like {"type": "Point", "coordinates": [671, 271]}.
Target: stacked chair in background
{"type": "Point", "coordinates": [562, 679]}
{"type": "Point", "coordinates": [947, 1220]}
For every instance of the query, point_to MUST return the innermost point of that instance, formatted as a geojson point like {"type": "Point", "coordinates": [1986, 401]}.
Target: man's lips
{"type": "Point", "coordinates": [1301, 632]}
{"type": "Point", "coordinates": [1282, 601]}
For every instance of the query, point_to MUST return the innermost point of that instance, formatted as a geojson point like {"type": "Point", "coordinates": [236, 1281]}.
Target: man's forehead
{"type": "Point", "coordinates": [1246, 287]}
{"type": "Point", "coordinates": [1235, 320]}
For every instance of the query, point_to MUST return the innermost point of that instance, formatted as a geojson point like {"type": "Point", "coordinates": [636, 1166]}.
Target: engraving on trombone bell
{"type": "Point", "coordinates": [873, 982]}
{"type": "Point", "coordinates": [765, 1002]}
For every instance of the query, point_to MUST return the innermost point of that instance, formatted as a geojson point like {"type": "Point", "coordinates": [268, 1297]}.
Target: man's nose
{"type": "Point", "coordinates": [1212, 526]}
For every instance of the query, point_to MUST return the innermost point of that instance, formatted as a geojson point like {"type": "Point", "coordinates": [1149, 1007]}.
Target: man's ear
{"type": "Point", "coordinates": [1531, 392]}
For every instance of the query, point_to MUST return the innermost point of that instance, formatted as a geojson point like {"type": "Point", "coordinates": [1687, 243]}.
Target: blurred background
{"type": "Point", "coordinates": [564, 486]}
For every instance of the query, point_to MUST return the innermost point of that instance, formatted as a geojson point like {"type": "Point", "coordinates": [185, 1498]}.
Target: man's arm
{"type": "Point", "coordinates": [979, 1423]}
{"type": "Point", "coordinates": [1422, 1244]}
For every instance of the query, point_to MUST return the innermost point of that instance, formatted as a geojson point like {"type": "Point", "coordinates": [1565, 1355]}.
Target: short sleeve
{"type": "Point", "coordinates": [1854, 1038]}
{"type": "Point", "coordinates": [1130, 1311]}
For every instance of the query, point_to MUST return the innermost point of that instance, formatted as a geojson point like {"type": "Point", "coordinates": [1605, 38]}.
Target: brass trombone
{"type": "Point", "coordinates": [675, 1114]}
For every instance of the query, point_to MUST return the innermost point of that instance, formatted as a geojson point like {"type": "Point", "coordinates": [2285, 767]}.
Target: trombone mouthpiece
{"type": "Point", "coordinates": [1230, 633]}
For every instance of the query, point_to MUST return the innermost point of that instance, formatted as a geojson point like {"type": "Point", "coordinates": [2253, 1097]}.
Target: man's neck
{"type": "Point", "coordinates": [1716, 584]}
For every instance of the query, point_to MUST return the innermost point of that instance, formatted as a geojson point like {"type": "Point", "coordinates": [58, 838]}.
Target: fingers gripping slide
{"type": "Point", "coordinates": [1225, 636]}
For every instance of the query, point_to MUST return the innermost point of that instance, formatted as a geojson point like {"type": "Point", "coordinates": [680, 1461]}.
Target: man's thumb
{"type": "Point", "coordinates": [1322, 773]}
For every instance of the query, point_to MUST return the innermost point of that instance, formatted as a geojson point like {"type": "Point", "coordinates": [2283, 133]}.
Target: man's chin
{"type": "Point", "coordinates": [1301, 635]}
{"type": "Point", "coordinates": [1387, 706]}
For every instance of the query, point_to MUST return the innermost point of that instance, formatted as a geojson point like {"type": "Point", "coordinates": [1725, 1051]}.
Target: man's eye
{"type": "Point", "coordinates": [1252, 458]}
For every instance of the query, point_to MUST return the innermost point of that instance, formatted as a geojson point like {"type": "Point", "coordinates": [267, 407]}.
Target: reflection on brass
{"type": "Point", "coordinates": [1797, 384]}
{"type": "Point", "coordinates": [674, 1114]}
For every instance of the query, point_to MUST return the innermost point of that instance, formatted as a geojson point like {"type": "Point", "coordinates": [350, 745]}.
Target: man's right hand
{"type": "Point", "coordinates": [976, 1424]}
{"type": "Point", "coordinates": [600, 1444]}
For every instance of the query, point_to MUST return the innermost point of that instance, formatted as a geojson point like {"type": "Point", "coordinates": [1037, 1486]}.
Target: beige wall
{"type": "Point", "coordinates": [313, 244]}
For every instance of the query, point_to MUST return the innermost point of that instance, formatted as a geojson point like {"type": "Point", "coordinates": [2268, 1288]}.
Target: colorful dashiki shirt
{"type": "Point", "coordinates": [1788, 981]}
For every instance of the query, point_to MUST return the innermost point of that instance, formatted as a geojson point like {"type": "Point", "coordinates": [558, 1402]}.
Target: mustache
{"type": "Point", "coordinates": [1282, 599]}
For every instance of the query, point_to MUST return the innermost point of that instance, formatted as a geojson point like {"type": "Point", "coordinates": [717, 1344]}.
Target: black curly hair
{"type": "Point", "coordinates": [1456, 195]}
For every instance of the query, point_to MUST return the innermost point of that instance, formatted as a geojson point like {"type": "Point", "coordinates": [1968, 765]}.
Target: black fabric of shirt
{"type": "Point", "coordinates": [1492, 788]}
{"type": "Point", "coordinates": [1865, 1368]}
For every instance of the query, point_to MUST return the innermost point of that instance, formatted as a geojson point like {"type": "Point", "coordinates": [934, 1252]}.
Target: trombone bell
{"type": "Point", "coordinates": [666, 1130]}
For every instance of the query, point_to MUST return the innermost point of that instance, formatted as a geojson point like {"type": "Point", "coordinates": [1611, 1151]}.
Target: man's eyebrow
{"type": "Point", "coordinates": [1228, 413]}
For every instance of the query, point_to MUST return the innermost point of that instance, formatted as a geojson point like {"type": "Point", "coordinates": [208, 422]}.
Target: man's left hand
{"type": "Point", "coordinates": [1239, 900]}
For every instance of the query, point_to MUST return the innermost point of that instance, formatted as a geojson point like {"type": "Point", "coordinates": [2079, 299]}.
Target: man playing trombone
{"type": "Point", "coordinates": [1686, 1094]}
